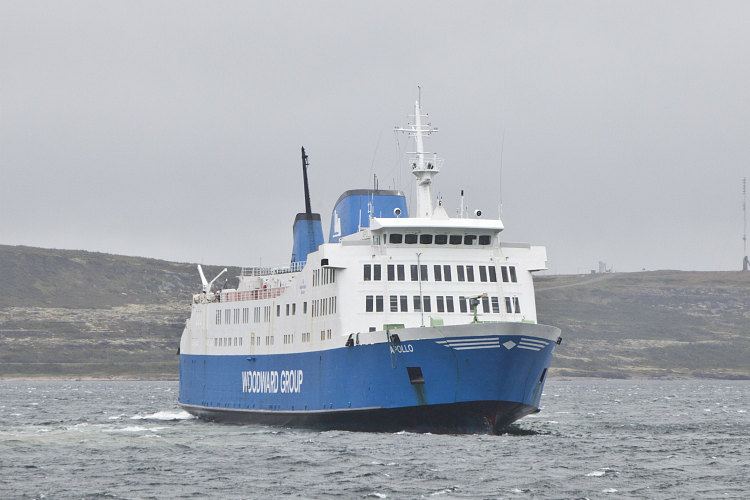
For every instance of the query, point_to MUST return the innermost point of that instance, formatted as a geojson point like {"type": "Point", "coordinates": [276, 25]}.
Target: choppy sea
{"type": "Point", "coordinates": [592, 439]}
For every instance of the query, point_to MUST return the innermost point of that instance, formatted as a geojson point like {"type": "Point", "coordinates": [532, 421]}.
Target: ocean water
{"type": "Point", "coordinates": [592, 439]}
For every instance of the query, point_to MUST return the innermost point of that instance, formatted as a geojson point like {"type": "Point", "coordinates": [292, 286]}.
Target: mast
{"type": "Point", "coordinates": [745, 260]}
{"type": "Point", "coordinates": [424, 165]}
{"type": "Point", "coordinates": [308, 210]}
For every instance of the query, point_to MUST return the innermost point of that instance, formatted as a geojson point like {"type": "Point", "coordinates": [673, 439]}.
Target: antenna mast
{"type": "Point", "coordinates": [308, 210]}
{"type": "Point", "coordinates": [423, 168]}
{"type": "Point", "coordinates": [745, 260]}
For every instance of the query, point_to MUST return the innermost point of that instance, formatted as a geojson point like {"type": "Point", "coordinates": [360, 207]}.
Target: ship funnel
{"type": "Point", "coordinates": [308, 230]}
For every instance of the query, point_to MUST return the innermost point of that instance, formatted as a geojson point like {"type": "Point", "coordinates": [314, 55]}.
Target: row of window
{"type": "Point", "coordinates": [324, 276]}
{"type": "Point", "coordinates": [227, 341]}
{"type": "Point", "coordinates": [269, 339]}
{"type": "Point", "coordinates": [443, 303]}
{"type": "Point", "coordinates": [437, 239]}
{"type": "Point", "coordinates": [324, 306]}
{"type": "Point", "coordinates": [397, 272]}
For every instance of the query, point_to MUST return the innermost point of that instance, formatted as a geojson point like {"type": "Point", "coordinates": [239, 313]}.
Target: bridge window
{"type": "Point", "coordinates": [395, 238]}
{"type": "Point", "coordinates": [425, 239]}
{"type": "Point", "coordinates": [485, 239]}
{"type": "Point", "coordinates": [455, 239]}
{"type": "Point", "coordinates": [441, 239]}
{"type": "Point", "coordinates": [410, 239]}
{"type": "Point", "coordinates": [469, 239]}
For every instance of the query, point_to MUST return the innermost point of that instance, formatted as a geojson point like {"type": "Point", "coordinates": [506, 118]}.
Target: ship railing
{"type": "Point", "coordinates": [267, 271]}
{"type": "Point", "coordinates": [260, 294]}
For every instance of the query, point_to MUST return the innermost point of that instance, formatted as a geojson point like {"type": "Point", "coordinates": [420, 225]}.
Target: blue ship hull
{"type": "Point", "coordinates": [424, 385]}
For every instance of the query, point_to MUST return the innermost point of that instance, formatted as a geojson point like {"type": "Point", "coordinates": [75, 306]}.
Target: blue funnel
{"type": "Point", "coordinates": [308, 236]}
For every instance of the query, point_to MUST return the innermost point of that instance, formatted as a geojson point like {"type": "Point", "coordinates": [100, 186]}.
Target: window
{"type": "Point", "coordinates": [495, 305]}
{"type": "Point", "coordinates": [469, 239]}
{"type": "Point", "coordinates": [426, 303]}
{"type": "Point", "coordinates": [493, 274]}
{"type": "Point", "coordinates": [485, 239]}
{"type": "Point", "coordinates": [322, 335]}
{"type": "Point", "coordinates": [441, 239]}
{"type": "Point", "coordinates": [287, 309]}
{"type": "Point", "coordinates": [462, 302]}
{"type": "Point", "coordinates": [294, 309]}
{"type": "Point", "coordinates": [278, 310]}
{"type": "Point", "coordinates": [455, 239]}
{"type": "Point", "coordinates": [513, 274]}
{"type": "Point", "coordinates": [404, 304]}
{"type": "Point", "coordinates": [410, 239]}
{"type": "Point", "coordinates": [508, 306]}
{"type": "Point", "coordinates": [417, 304]}
{"type": "Point", "coordinates": [367, 272]}
{"type": "Point", "coordinates": [485, 304]}
{"type": "Point", "coordinates": [394, 303]}
{"type": "Point", "coordinates": [400, 271]}
{"type": "Point", "coordinates": [517, 305]}
{"type": "Point", "coordinates": [395, 238]}
{"type": "Point", "coordinates": [379, 303]}
{"type": "Point", "coordinates": [438, 272]}
{"type": "Point", "coordinates": [376, 272]}
{"type": "Point", "coordinates": [391, 272]}
{"type": "Point", "coordinates": [504, 273]}
{"type": "Point", "coordinates": [425, 239]}
{"type": "Point", "coordinates": [447, 272]}
{"type": "Point", "coordinates": [328, 334]}
{"type": "Point", "coordinates": [237, 316]}
{"type": "Point", "coordinates": [440, 301]}
{"type": "Point", "coordinates": [449, 303]}
{"type": "Point", "coordinates": [423, 272]}
{"type": "Point", "coordinates": [460, 273]}
{"type": "Point", "coordinates": [368, 304]}
{"type": "Point", "coordinates": [227, 316]}
{"type": "Point", "coordinates": [218, 317]}
{"type": "Point", "coordinates": [483, 273]}
{"type": "Point", "coordinates": [469, 273]}
{"type": "Point", "coordinates": [304, 308]}
{"type": "Point", "coordinates": [414, 272]}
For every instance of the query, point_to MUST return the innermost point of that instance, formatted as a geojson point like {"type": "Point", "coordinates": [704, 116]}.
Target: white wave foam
{"type": "Point", "coordinates": [609, 490]}
{"type": "Point", "coordinates": [164, 415]}
{"type": "Point", "coordinates": [138, 428]}
{"type": "Point", "coordinates": [378, 495]}
{"type": "Point", "coordinates": [596, 473]}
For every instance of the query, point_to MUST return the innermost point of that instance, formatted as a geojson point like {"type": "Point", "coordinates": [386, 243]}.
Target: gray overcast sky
{"type": "Point", "coordinates": [172, 129]}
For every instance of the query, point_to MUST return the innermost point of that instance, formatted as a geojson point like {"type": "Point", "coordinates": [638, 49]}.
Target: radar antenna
{"type": "Point", "coordinates": [207, 284]}
{"type": "Point", "coordinates": [305, 164]}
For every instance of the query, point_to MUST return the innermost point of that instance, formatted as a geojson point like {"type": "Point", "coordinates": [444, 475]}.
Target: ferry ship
{"type": "Point", "coordinates": [422, 322]}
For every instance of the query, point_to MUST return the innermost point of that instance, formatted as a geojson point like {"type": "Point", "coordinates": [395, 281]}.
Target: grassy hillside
{"type": "Point", "coordinates": [652, 324]}
{"type": "Point", "coordinates": [83, 314]}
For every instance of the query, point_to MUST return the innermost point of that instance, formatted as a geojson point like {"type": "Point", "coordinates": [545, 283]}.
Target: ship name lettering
{"type": "Point", "coordinates": [402, 348]}
{"type": "Point", "coordinates": [269, 382]}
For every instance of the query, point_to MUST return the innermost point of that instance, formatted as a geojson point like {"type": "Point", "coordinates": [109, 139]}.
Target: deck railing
{"type": "Point", "coordinates": [268, 271]}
